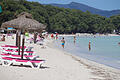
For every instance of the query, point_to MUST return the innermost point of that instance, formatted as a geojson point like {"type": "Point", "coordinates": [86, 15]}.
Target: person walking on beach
{"type": "Point", "coordinates": [56, 36]}
{"type": "Point", "coordinates": [74, 39]}
{"type": "Point", "coordinates": [89, 46]}
{"type": "Point", "coordinates": [52, 36]}
{"type": "Point", "coordinates": [63, 42]}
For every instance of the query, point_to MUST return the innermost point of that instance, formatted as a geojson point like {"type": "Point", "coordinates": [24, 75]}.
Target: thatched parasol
{"type": "Point", "coordinates": [24, 21]}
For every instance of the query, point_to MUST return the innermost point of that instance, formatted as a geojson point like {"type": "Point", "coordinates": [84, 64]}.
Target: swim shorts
{"type": "Point", "coordinates": [63, 43]}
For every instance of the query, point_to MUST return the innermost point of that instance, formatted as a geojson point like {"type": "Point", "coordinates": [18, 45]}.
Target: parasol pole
{"type": "Point", "coordinates": [17, 38]}
{"type": "Point", "coordinates": [19, 41]}
{"type": "Point", "coordinates": [35, 36]}
{"type": "Point", "coordinates": [23, 41]}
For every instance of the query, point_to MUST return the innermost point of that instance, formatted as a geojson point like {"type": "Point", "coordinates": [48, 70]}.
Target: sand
{"type": "Point", "coordinates": [59, 65]}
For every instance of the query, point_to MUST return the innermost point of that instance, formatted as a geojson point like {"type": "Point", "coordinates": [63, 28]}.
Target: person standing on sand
{"type": "Point", "coordinates": [3, 38]}
{"type": "Point", "coordinates": [89, 46]}
{"type": "Point", "coordinates": [63, 42]}
{"type": "Point", "coordinates": [56, 36]}
{"type": "Point", "coordinates": [52, 36]}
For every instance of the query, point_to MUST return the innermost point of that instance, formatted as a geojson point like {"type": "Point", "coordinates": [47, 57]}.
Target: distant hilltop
{"type": "Point", "coordinates": [82, 7]}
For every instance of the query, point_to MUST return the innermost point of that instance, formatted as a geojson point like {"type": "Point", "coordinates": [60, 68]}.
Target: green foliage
{"type": "Point", "coordinates": [60, 20]}
{"type": "Point", "coordinates": [116, 22]}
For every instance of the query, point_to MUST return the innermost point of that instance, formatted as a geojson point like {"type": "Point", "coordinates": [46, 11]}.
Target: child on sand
{"type": "Point", "coordinates": [63, 42]}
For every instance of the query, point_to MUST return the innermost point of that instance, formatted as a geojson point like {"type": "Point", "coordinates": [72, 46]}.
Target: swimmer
{"type": "Point", "coordinates": [74, 39]}
{"type": "Point", "coordinates": [89, 45]}
{"type": "Point", "coordinates": [119, 43]}
{"type": "Point", "coordinates": [63, 42]}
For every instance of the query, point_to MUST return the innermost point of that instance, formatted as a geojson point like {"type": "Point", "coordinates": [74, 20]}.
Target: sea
{"type": "Point", "coordinates": [104, 49]}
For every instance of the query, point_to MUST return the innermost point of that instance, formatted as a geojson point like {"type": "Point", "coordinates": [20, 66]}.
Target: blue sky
{"type": "Point", "coordinates": [99, 4]}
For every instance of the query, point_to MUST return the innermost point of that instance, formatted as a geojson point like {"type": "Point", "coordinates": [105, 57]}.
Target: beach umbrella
{"type": "Point", "coordinates": [23, 22]}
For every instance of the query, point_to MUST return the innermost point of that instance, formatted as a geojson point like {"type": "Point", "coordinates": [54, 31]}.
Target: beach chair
{"type": "Point", "coordinates": [6, 61]}
{"type": "Point", "coordinates": [32, 63]}
{"type": "Point", "coordinates": [19, 56]}
{"type": "Point", "coordinates": [15, 48]}
{"type": "Point", "coordinates": [16, 52]}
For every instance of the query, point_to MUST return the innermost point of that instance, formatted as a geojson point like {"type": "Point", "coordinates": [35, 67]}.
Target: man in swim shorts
{"type": "Point", "coordinates": [63, 42]}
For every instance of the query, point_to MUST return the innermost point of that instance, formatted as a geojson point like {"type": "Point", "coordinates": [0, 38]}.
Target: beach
{"type": "Point", "coordinates": [59, 65]}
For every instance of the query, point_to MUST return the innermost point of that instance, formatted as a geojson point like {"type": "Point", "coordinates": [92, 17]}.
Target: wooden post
{"type": "Point", "coordinates": [35, 36]}
{"type": "Point", "coordinates": [19, 42]}
{"type": "Point", "coordinates": [17, 38]}
{"type": "Point", "coordinates": [23, 41]}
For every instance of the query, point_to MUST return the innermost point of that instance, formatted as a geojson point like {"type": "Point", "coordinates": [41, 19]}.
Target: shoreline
{"type": "Point", "coordinates": [87, 34]}
{"type": "Point", "coordinates": [109, 73]}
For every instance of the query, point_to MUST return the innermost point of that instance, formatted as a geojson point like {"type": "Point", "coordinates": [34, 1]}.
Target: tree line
{"type": "Point", "coordinates": [60, 20]}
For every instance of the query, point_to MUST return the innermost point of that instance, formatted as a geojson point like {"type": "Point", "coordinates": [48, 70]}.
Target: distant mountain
{"type": "Point", "coordinates": [82, 7]}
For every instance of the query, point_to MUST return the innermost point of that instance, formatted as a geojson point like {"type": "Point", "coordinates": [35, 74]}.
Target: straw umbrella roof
{"type": "Point", "coordinates": [24, 21]}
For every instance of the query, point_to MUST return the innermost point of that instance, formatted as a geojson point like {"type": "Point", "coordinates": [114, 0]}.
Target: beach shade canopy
{"type": "Point", "coordinates": [24, 21]}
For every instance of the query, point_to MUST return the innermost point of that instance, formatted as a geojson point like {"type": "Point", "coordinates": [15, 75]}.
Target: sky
{"type": "Point", "coordinates": [99, 4]}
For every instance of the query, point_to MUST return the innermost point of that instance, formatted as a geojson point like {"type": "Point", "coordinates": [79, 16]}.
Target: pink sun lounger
{"type": "Point", "coordinates": [26, 51]}
{"type": "Point", "coordinates": [19, 56]}
{"type": "Point", "coordinates": [14, 46]}
{"type": "Point", "coordinates": [9, 47]}
{"type": "Point", "coordinates": [16, 52]}
{"type": "Point", "coordinates": [32, 63]}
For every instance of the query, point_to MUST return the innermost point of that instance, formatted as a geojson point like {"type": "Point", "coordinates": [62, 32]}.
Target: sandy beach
{"type": "Point", "coordinates": [59, 65]}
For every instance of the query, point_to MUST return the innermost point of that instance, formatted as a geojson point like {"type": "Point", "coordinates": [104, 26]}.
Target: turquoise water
{"type": "Point", "coordinates": [104, 49]}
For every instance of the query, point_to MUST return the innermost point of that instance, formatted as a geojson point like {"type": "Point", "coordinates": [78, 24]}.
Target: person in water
{"type": "Point", "coordinates": [63, 42]}
{"type": "Point", "coordinates": [89, 46]}
{"type": "Point", "coordinates": [119, 43]}
{"type": "Point", "coordinates": [74, 39]}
